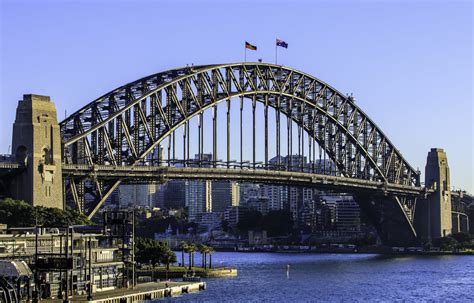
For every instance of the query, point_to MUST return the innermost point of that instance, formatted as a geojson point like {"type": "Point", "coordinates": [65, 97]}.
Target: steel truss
{"type": "Point", "coordinates": [125, 126]}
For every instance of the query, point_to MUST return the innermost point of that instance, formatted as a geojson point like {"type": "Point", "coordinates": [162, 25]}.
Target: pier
{"type": "Point", "coordinates": [142, 292]}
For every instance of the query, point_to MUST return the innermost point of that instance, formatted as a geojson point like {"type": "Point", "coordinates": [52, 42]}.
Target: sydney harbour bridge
{"type": "Point", "coordinates": [259, 120]}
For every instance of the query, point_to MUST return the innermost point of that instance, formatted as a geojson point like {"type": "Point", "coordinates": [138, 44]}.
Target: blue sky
{"type": "Point", "coordinates": [408, 63]}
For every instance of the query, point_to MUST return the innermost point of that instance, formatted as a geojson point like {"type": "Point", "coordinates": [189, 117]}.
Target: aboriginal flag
{"type": "Point", "coordinates": [281, 43]}
{"type": "Point", "coordinates": [250, 46]}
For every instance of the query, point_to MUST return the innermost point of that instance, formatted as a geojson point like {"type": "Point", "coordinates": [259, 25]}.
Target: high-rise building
{"type": "Point", "coordinates": [234, 214]}
{"type": "Point", "coordinates": [136, 195]}
{"type": "Point", "coordinates": [295, 201]}
{"type": "Point", "coordinates": [344, 212]}
{"type": "Point", "coordinates": [171, 195]}
{"type": "Point", "coordinates": [259, 204]}
{"type": "Point", "coordinates": [224, 194]}
{"type": "Point", "coordinates": [309, 215]}
{"type": "Point", "coordinates": [348, 214]}
{"type": "Point", "coordinates": [198, 197]}
{"type": "Point", "coordinates": [248, 191]}
{"type": "Point", "coordinates": [275, 196]}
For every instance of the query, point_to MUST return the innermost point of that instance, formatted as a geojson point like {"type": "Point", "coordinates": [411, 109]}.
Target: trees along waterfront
{"type": "Point", "coordinates": [154, 252]}
{"type": "Point", "coordinates": [203, 250]}
{"type": "Point", "coordinates": [17, 213]}
{"type": "Point", "coordinates": [184, 247]}
{"type": "Point", "coordinates": [190, 249]}
{"type": "Point", "coordinates": [210, 251]}
{"type": "Point", "coordinates": [168, 257]}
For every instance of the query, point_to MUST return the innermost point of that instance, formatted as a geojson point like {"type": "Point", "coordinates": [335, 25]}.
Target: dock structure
{"type": "Point", "coordinates": [142, 292]}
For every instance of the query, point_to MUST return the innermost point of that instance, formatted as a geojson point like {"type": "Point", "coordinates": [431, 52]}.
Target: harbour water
{"type": "Point", "coordinates": [338, 277]}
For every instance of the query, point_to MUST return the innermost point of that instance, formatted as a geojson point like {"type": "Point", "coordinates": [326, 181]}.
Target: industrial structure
{"type": "Point", "coordinates": [114, 140]}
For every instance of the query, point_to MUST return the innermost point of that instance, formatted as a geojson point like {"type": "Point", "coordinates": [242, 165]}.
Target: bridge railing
{"type": "Point", "coordinates": [7, 158]}
{"type": "Point", "coordinates": [329, 170]}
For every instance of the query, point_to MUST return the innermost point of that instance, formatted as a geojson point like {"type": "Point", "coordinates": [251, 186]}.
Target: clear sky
{"type": "Point", "coordinates": [408, 63]}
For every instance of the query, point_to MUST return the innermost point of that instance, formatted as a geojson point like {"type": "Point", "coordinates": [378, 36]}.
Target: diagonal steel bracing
{"type": "Point", "coordinates": [125, 126]}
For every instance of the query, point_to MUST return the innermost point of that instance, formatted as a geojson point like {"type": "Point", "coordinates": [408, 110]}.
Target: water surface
{"type": "Point", "coordinates": [338, 277]}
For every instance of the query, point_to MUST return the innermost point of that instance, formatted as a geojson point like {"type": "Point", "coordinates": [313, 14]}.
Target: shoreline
{"type": "Point", "coordinates": [177, 272]}
{"type": "Point", "coordinates": [374, 252]}
{"type": "Point", "coordinates": [141, 292]}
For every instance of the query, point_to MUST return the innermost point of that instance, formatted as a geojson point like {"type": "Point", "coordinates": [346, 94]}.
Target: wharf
{"type": "Point", "coordinates": [142, 292]}
{"type": "Point", "coordinates": [177, 272]}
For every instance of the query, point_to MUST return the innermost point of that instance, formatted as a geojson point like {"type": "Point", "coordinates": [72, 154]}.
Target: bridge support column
{"type": "Point", "coordinates": [37, 144]}
{"type": "Point", "coordinates": [433, 214]}
{"type": "Point", "coordinates": [389, 217]}
{"type": "Point", "coordinates": [456, 228]}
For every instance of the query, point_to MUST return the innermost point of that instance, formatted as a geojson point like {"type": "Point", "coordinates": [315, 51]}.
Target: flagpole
{"type": "Point", "coordinates": [276, 53]}
{"type": "Point", "coordinates": [245, 56]}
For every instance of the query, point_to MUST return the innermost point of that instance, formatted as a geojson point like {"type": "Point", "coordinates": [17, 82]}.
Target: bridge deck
{"type": "Point", "coordinates": [160, 174]}
{"type": "Point", "coordinates": [6, 168]}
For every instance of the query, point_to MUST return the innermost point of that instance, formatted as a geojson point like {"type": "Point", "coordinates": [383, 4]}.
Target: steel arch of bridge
{"type": "Point", "coordinates": [125, 125]}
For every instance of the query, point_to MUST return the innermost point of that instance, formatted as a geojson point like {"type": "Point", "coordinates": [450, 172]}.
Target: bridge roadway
{"type": "Point", "coordinates": [161, 174]}
{"type": "Point", "coordinates": [7, 168]}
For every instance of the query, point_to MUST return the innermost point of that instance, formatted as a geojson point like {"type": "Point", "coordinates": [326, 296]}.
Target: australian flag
{"type": "Point", "coordinates": [282, 43]}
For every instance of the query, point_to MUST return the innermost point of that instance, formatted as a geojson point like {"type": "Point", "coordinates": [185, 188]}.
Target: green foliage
{"type": "Point", "coordinates": [225, 225]}
{"type": "Point", "coordinates": [16, 213]}
{"type": "Point", "coordinates": [250, 221]}
{"type": "Point", "coordinates": [462, 238]}
{"type": "Point", "coordinates": [202, 248]}
{"type": "Point", "coordinates": [427, 246]}
{"type": "Point", "coordinates": [156, 224]}
{"type": "Point", "coordinates": [154, 252]}
{"type": "Point", "coordinates": [445, 243]}
{"type": "Point", "coordinates": [168, 257]}
{"type": "Point", "coordinates": [364, 240]}
{"type": "Point", "coordinates": [191, 248]}
{"type": "Point", "coordinates": [159, 223]}
{"type": "Point", "coordinates": [276, 223]}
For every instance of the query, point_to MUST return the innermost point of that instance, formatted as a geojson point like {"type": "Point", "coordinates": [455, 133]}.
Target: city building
{"type": "Point", "coordinates": [172, 195]}
{"type": "Point", "coordinates": [224, 194]}
{"type": "Point", "coordinates": [137, 195]}
{"type": "Point", "coordinates": [104, 270]}
{"type": "Point", "coordinates": [209, 221]}
{"type": "Point", "coordinates": [275, 196]}
{"type": "Point", "coordinates": [234, 214]}
{"type": "Point", "coordinates": [198, 197]}
{"type": "Point", "coordinates": [344, 213]}
{"type": "Point", "coordinates": [249, 191]}
{"type": "Point", "coordinates": [348, 214]}
{"type": "Point", "coordinates": [257, 237]}
{"type": "Point", "coordinates": [260, 204]}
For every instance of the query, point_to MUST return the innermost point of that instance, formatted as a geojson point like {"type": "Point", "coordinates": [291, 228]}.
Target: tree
{"type": "Point", "coordinates": [156, 224]}
{"type": "Point", "coordinates": [191, 250]}
{"type": "Point", "coordinates": [203, 250]}
{"type": "Point", "coordinates": [184, 247]}
{"type": "Point", "coordinates": [462, 237]}
{"type": "Point", "coordinates": [277, 223]}
{"type": "Point", "coordinates": [210, 251]}
{"type": "Point", "coordinates": [154, 252]}
{"type": "Point", "coordinates": [249, 221]}
{"type": "Point", "coordinates": [225, 225]}
{"type": "Point", "coordinates": [168, 256]}
{"type": "Point", "coordinates": [17, 213]}
{"type": "Point", "coordinates": [445, 243]}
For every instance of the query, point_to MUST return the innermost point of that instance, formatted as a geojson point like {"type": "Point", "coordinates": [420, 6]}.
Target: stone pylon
{"type": "Point", "coordinates": [433, 214]}
{"type": "Point", "coordinates": [37, 145]}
